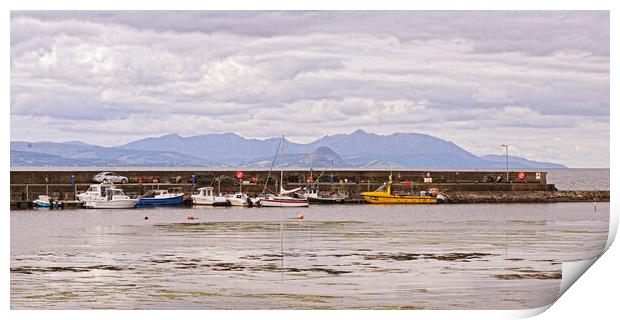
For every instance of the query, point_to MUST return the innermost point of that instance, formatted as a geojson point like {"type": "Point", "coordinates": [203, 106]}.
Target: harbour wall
{"type": "Point", "coordinates": [29, 184]}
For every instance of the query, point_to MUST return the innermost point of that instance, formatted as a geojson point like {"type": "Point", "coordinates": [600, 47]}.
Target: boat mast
{"type": "Point", "coordinates": [271, 168]}
{"type": "Point", "coordinates": [389, 186]}
{"type": "Point", "coordinates": [281, 168]}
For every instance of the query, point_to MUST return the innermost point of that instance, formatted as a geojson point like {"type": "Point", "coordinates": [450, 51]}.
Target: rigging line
{"type": "Point", "coordinates": [271, 168]}
{"type": "Point", "coordinates": [317, 180]}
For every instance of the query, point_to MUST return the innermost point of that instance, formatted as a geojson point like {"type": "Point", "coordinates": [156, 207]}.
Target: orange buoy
{"type": "Point", "coordinates": [301, 216]}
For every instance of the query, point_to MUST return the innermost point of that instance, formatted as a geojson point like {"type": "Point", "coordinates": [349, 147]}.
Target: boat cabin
{"type": "Point", "coordinates": [156, 194]}
{"type": "Point", "coordinates": [96, 191]}
{"type": "Point", "coordinates": [175, 191]}
{"type": "Point", "coordinates": [205, 192]}
{"type": "Point", "coordinates": [113, 193]}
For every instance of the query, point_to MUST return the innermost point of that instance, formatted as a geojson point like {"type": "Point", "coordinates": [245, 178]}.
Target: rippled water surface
{"type": "Point", "coordinates": [490, 256]}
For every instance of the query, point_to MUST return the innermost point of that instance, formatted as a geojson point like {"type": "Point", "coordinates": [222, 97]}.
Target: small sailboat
{"type": "Point", "coordinates": [205, 196]}
{"type": "Point", "coordinates": [159, 198]}
{"type": "Point", "coordinates": [385, 195]}
{"type": "Point", "coordinates": [282, 199]}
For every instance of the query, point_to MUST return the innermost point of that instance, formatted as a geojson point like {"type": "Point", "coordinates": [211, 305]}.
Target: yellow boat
{"type": "Point", "coordinates": [384, 195]}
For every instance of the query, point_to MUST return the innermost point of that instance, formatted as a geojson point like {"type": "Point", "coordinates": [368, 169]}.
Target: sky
{"type": "Point", "coordinates": [535, 80]}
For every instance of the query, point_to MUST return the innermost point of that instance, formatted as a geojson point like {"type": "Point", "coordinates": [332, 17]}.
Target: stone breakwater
{"type": "Point", "coordinates": [528, 196]}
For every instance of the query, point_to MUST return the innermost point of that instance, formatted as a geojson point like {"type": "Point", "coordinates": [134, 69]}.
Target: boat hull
{"type": "Point", "coordinates": [381, 198]}
{"type": "Point", "coordinates": [41, 204]}
{"type": "Point", "coordinates": [111, 204]}
{"type": "Point", "coordinates": [326, 200]}
{"type": "Point", "coordinates": [175, 200]}
{"type": "Point", "coordinates": [282, 203]}
{"type": "Point", "coordinates": [238, 202]}
{"type": "Point", "coordinates": [210, 201]}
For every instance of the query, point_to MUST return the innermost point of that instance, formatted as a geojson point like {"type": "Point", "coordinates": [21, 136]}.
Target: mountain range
{"type": "Point", "coordinates": [359, 149]}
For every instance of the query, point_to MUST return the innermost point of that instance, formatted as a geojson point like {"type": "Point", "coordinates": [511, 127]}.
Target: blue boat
{"type": "Point", "coordinates": [160, 198]}
{"type": "Point", "coordinates": [45, 201]}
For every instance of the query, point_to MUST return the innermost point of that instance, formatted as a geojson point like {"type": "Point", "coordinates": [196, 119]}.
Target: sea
{"type": "Point", "coordinates": [453, 256]}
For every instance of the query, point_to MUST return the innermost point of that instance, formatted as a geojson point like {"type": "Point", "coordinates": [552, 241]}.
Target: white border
{"type": "Point", "coordinates": [596, 289]}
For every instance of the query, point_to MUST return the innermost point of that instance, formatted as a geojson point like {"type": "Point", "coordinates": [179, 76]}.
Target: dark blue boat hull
{"type": "Point", "coordinates": [178, 200]}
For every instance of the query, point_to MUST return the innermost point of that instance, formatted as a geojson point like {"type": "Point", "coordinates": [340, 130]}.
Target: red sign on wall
{"type": "Point", "coordinates": [239, 175]}
{"type": "Point", "coordinates": [521, 175]}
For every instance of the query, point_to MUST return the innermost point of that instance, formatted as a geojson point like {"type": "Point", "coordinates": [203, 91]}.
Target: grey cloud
{"type": "Point", "coordinates": [534, 32]}
{"type": "Point", "coordinates": [307, 74]}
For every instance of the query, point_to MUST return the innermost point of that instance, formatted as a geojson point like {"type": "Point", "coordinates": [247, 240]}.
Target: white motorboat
{"type": "Point", "coordinates": [114, 199]}
{"type": "Point", "coordinates": [238, 199]}
{"type": "Point", "coordinates": [95, 192]}
{"type": "Point", "coordinates": [205, 196]}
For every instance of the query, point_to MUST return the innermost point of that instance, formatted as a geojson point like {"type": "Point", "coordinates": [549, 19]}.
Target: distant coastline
{"type": "Point", "coordinates": [358, 149]}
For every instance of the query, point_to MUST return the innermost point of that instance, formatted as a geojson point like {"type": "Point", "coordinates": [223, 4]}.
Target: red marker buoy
{"type": "Point", "coordinates": [301, 216]}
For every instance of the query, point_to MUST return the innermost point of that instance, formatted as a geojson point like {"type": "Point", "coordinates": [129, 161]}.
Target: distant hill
{"type": "Point", "coordinates": [403, 149]}
{"type": "Point", "coordinates": [225, 147]}
{"type": "Point", "coordinates": [356, 150]}
{"type": "Point", "coordinates": [35, 159]}
{"type": "Point", "coordinates": [323, 157]}
{"type": "Point", "coordinates": [517, 162]}
{"type": "Point", "coordinates": [71, 154]}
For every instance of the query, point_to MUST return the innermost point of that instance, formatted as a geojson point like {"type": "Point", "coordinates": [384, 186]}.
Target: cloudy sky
{"type": "Point", "coordinates": [538, 81]}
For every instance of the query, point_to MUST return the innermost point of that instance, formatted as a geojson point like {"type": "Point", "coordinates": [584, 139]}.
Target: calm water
{"type": "Point", "coordinates": [490, 256]}
{"type": "Point", "coordinates": [579, 179]}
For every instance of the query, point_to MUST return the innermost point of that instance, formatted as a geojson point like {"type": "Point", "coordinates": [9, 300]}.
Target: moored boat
{"type": "Point", "coordinates": [313, 196]}
{"type": "Point", "coordinates": [45, 201]}
{"type": "Point", "coordinates": [205, 196]}
{"type": "Point", "coordinates": [95, 192]}
{"type": "Point", "coordinates": [282, 199]}
{"type": "Point", "coordinates": [114, 199]}
{"type": "Point", "coordinates": [385, 195]}
{"type": "Point", "coordinates": [159, 198]}
{"type": "Point", "coordinates": [238, 199]}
